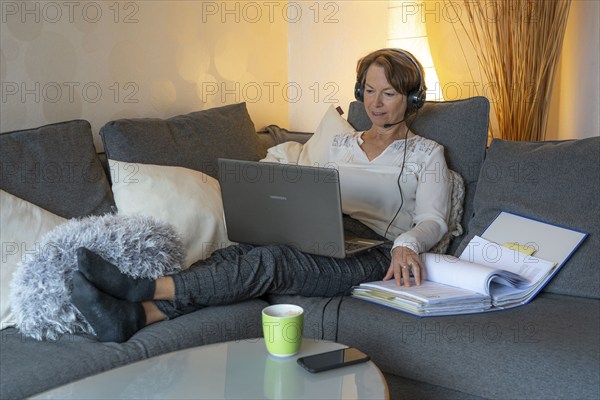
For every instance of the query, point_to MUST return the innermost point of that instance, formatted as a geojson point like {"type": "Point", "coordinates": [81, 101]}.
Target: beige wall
{"type": "Point", "coordinates": [289, 60]}
{"type": "Point", "coordinates": [101, 60]}
{"type": "Point", "coordinates": [323, 50]}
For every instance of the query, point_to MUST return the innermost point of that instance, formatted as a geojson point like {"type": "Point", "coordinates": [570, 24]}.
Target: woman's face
{"type": "Point", "coordinates": [384, 105]}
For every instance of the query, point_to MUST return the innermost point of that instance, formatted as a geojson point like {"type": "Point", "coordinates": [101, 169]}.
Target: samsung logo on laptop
{"type": "Point", "coordinates": [274, 197]}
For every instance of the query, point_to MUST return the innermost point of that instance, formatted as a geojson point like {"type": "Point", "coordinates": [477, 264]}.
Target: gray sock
{"type": "Point", "coordinates": [113, 320]}
{"type": "Point", "coordinates": [109, 279]}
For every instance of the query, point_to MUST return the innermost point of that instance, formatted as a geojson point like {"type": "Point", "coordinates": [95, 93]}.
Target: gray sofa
{"type": "Point", "coordinates": [549, 348]}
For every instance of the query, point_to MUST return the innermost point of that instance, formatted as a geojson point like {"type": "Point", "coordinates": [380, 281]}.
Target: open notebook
{"type": "Point", "coordinates": [506, 267]}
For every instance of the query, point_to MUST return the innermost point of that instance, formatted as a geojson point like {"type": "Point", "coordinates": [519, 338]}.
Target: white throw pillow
{"type": "Point", "coordinates": [187, 199]}
{"type": "Point", "coordinates": [22, 225]}
{"type": "Point", "coordinates": [315, 150]}
{"type": "Point", "coordinates": [284, 153]}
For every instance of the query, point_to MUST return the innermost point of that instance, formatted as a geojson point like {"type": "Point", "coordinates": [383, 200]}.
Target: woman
{"type": "Point", "coordinates": [406, 205]}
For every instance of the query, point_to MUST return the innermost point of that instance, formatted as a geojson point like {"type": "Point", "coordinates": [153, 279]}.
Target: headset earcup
{"type": "Point", "coordinates": [359, 92]}
{"type": "Point", "coordinates": [415, 100]}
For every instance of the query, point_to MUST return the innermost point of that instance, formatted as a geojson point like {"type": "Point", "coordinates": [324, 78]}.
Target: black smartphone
{"type": "Point", "coordinates": [333, 359]}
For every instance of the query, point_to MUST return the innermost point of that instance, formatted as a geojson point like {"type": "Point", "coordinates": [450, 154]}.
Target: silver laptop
{"type": "Point", "coordinates": [268, 203]}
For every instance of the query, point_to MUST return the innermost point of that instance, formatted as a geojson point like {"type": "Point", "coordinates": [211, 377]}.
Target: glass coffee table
{"type": "Point", "coordinates": [232, 370]}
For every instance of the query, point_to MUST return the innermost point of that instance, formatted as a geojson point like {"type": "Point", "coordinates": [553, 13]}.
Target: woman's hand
{"type": "Point", "coordinates": [403, 261]}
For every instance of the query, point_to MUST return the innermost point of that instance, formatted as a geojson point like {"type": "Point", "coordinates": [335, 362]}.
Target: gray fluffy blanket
{"type": "Point", "coordinates": [40, 298]}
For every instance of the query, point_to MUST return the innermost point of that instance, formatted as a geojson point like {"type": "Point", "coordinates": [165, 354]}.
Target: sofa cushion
{"type": "Point", "coordinates": [457, 200]}
{"type": "Point", "coordinates": [22, 226]}
{"type": "Point", "coordinates": [556, 182]}
{"type": "Point", "coordinates": [55, 167]}
{"type": "Point", "coordinates": [460, 126]}
{"type": "Point", "coordinates": [315, 152]}
{"type": "Point", "coordinates": [188, 200]}
{"type": "Point", "coordinates": [546, 349]}
{"type": "Point", "coordinates": [192, 141]}
{"type": "Point", "coordinates": [320, 314]}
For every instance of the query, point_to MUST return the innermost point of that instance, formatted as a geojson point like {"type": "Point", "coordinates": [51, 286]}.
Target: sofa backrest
{"type": "Point", "coordinates": [195, 140]}
{"type": "Point", "coordinates": [461, 127]}
{"type": "Point", "coordinates": [56, 168]}
{"type": "Point", "coordinates": [553, 181]}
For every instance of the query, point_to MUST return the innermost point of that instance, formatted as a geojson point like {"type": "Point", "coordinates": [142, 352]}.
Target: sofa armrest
{"type": "Point", "coordinates": [273, 135]}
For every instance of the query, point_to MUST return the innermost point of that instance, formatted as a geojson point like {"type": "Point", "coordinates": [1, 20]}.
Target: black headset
{"type": "Point", "coordinates": [414, 99]}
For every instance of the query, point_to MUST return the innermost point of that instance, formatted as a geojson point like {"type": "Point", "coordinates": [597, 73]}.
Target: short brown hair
{"type": "Point", "coordinates": [400, 71]}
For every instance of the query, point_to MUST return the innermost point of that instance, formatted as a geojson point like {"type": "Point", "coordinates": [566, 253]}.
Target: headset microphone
{"type": "Point", "coordinates": [390, 125]}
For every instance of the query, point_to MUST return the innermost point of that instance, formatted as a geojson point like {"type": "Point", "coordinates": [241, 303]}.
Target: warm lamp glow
{"type": "Point", "coordinates": [407, 31]}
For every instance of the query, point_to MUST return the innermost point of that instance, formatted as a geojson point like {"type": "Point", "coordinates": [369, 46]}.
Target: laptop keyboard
{"type": "Point", "coordinates": [351, 246]}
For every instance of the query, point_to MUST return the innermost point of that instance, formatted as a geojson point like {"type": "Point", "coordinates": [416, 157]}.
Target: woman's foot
{"type": "Point", "coordinates": [113, 320]}
{"type": "Point", "coordinates": [109, 279]}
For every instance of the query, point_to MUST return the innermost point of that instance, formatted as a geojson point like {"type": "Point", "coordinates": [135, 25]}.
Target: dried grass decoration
{"type": "Point", "coordinates": [518, 45]}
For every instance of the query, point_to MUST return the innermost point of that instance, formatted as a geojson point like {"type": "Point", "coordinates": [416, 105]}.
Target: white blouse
{"type": "Point", "coordinates": [371, 189]}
